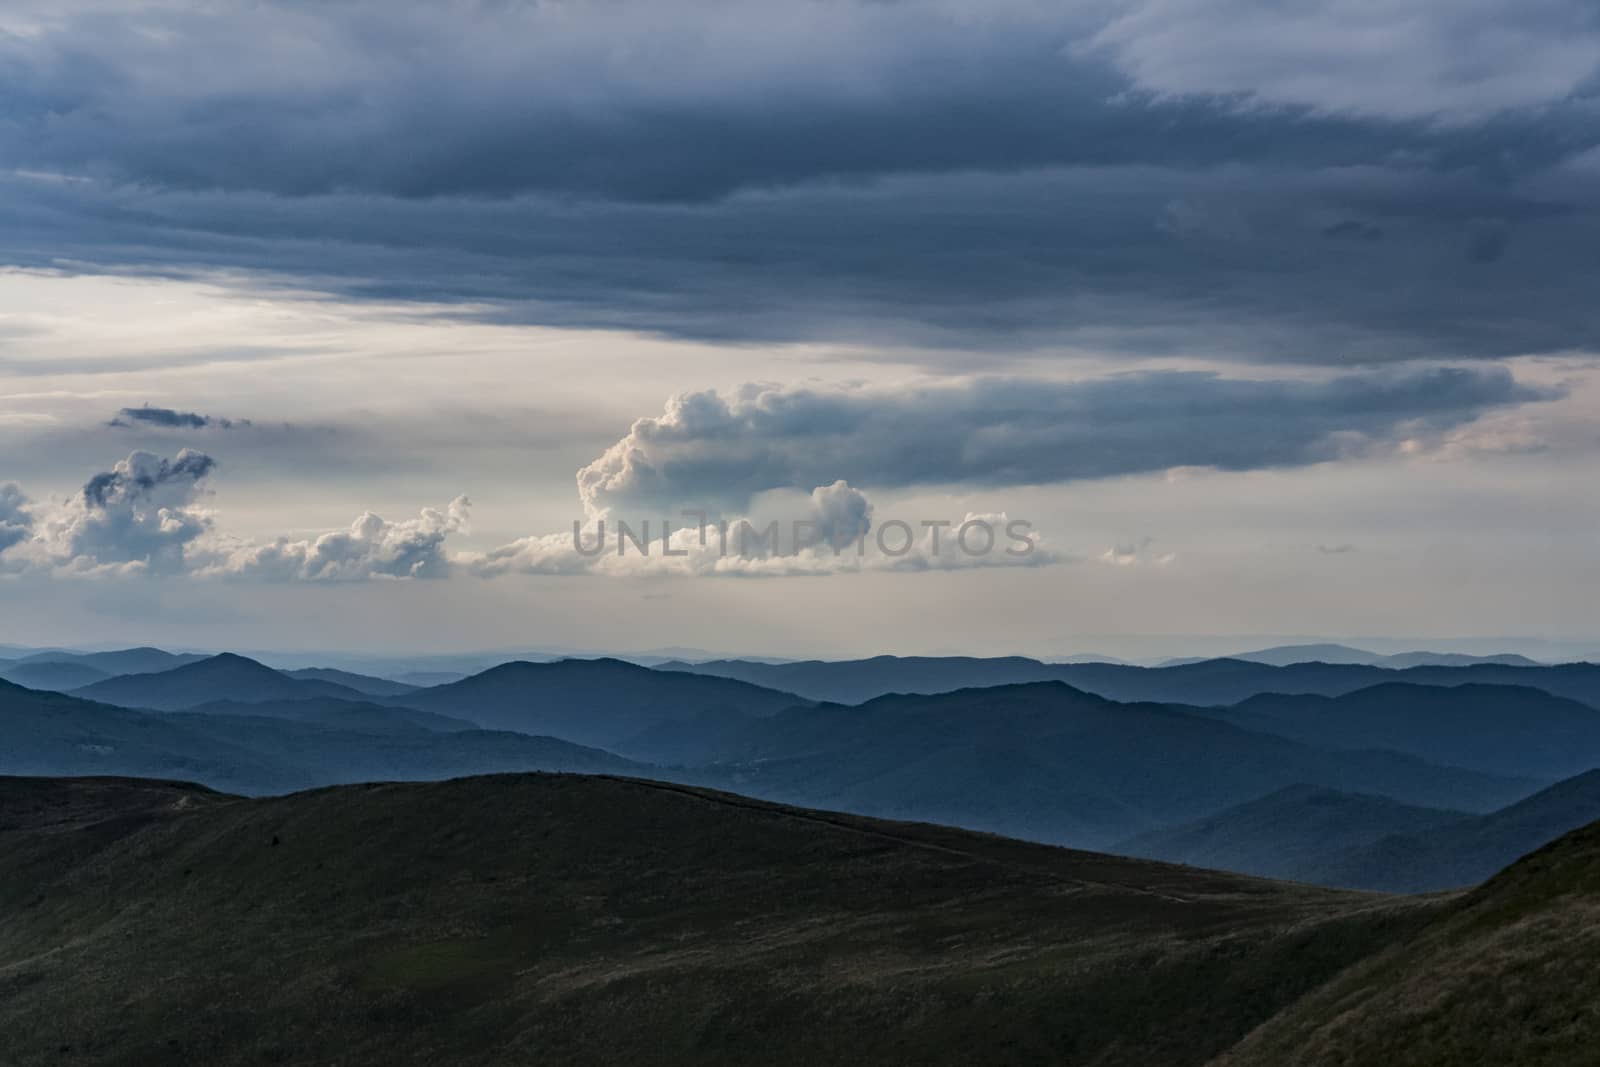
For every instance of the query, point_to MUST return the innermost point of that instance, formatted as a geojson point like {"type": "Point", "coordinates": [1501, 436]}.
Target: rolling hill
{"type": "Point", "coordinates": [1499, 729]}
{"type": "Point", "coordinates": [222, 677]}
{"type": "Point", "coordinates": [574, 919]}
{"type": "Point", "coordinates": [339, 713]}
{"type": "Point", "coordinates": [1041, 761]}
{"type": "Point", "coordinates": [1208, 682]}
{"type": "Point", "coordinates": [855, 681]}
{"type": "Point", "coordinates": [361, 683]}
{"type": "Point", "coordinates": [598, 702]}
{"type": "Point", "coordinates": [58, 677]}
{"type": "Point", "coordinates": [331, 752]}
{"type": "Point", "coordinates": [1467, 851]}
{"type": "Point", "coordinates": [595, 920]}
{"type": "Point", "coordinates": [1051, 763]}
{"type": "Point", "coordinates": [55, 734]}
{"type": "Point", "coordinates": [1291, 833]}
{"type": "Point", "coordinates": [143, 660]}
{"type": "Point", "coordinates": [293, 746]}
{"type": "Point", "coordinates": [1504, 976]}
{"type": "Point", "coordinates": [1286, 655]}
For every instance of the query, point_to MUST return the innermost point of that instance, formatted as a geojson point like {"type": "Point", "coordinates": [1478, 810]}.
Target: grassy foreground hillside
{"type": "Point", "coordinates": [1508, 976]}
{"type": "Point", "coordinates": [575, 919]}
{"type": "Point", "coordinates": [554, 918]}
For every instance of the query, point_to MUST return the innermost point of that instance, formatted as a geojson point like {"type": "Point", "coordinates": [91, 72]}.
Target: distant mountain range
{"type": "Point", "coordinates": [123, 661]}
{"type": "Point", "coordinates": [601, 702]}
{"type": "Point", "coordinates": [1052, 763]}
{"type": "Point", "coordinates": [64, 671]}
{"type": "Point", "coordinates": [1465, 852]}
{"type": "Point", "coordinates": [1287, 655]}
{"type": "Point", "coordinates": [1215, 681]}
{"type": "Point", "coordinates": [53, 676]}
{"type": "Point", "coordinates": [223, 677]}
{"type": "Point", "coordinates": [1502, 729]}
{"type": "Point", "coordinates": [1288, 834]}
{"type": "Point", "coordinates": [1043, 759]}
{"type": "Point", "coordinates": [1325, 837]}
{"type": "Point", "coordinates": [268, 747]}
{"type": "Point", "coordinates": [361, 683]}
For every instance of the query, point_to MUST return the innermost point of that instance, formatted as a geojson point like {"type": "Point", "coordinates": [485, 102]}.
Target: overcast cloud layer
{"type": "Point", "coordinates": [1280, 311]}
{"type": "Point", "coordinates": [1239, 179]}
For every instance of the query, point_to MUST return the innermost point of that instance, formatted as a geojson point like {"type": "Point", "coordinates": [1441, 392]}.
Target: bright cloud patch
{"type": "Point", "coordinates": [716, 452]}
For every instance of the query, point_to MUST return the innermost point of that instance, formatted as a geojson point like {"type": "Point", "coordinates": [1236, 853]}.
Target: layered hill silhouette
{"type": "Point", "coordinates": [1337, 839]}
{"type": "Point", "coordinates": [1292, 833]}
{"type": "Point", "coordinates": [361, 683]}
{"type": "Point", "coordinates": [221, 677]}
{"type": "Point", "coordinates": [578, 919]}
{"type": "Point", "coordinates": [600, 702]}
{"type": "Point", "coordinates": [142, 660]}
{"type": "Point", "coordinates": [268, 748]}
{"type": "Point", "coordinates": [1213, 681]}
{"type": "Point", "coordinates": [855, 681]}
{"type": "Point", "coordinates": [56, 676]}
{"type": "Point", "coordinates": [64, 671]}
{"type": "Point", "coordinates": [1496, 728]}
{"type": "Point", "coordinates": [1286, 655]}
{"type": "Point", "coordinates": [1043, 760]}
{"type": "Point", "coordinates": [1049, 762]}
{"type": "Point", "coordinates": [54, 734]}
{"type": "Point", "coordinates": [340, 713]}
{"type": "Point", "coordinates": [1469, 850]}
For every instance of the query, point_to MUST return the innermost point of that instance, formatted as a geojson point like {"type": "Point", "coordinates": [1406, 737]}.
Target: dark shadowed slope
{"type": "Point", "coordinates": [59, 805]}
{"type": "Point", "coordinates": [1021, 759]}
{"type": "Point", "coordinates": [56, 677]}
{"type": "Point", "coordinates": [339, 713]}
{"type": "Point", "coordinates": [1499, 729]}
{"type": "Point", "coordinates": [1505, 976]}
{"type": "Point", "coordinates": [54, 734]}
{"type": "Point", "coordinates": [327, 752]}
{"type": "Point", "coordinates": [361, 683]}
{"type": "Point", "coordinates": [592, 702]}
{"type": "Point", "coordinates": [1288, 834]}
{"type": "Point", "coordinates": [224, 677]}
{"type": "Point", "coordinates": [1468, 851]}
{"type": "Point", "coordinates": [561, 919]}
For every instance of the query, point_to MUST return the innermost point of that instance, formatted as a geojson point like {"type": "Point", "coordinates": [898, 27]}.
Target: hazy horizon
{"type": "Point", "coordinates": [1140, 649]}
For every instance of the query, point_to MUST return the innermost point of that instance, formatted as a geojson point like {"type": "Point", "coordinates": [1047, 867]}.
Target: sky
{"type": "Point", "coordinates": [324, 325]}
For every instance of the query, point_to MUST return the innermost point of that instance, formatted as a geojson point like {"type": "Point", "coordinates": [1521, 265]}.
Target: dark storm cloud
{"type": "Point", "coordinates": [1231, 264]}
{"type": "Point", "coordinates": [710, 450]}
{"type": "Point", "coordinates": [1002, 175]}
{"type": "Point", "coordinates": [1353, 230]}
{"type": "Point", "coordinates": [167, 418]}
{"type": "Point", "coordinates": [668, 101]}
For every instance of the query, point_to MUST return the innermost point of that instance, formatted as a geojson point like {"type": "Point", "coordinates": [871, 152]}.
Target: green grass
{"type": "Point", "coordinates": [570, 919]}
